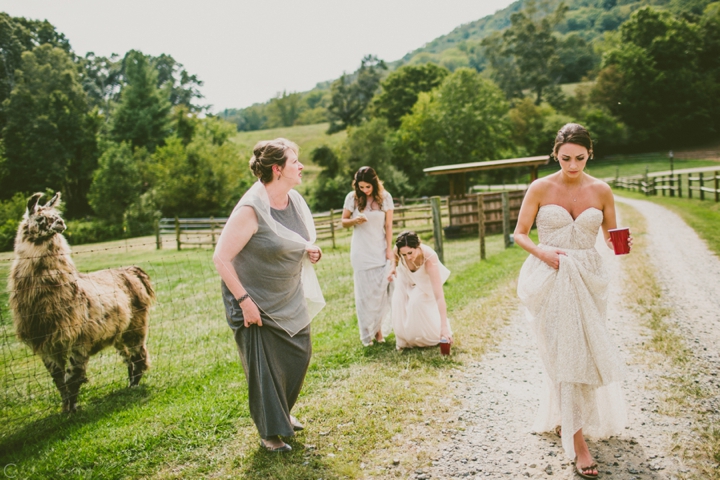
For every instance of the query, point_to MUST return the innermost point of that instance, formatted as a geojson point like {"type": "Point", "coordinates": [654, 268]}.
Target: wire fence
{"type": "Point", "coordinates": [188, 332]}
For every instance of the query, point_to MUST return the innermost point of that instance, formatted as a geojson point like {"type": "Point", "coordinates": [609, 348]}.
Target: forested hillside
{"type": "Point", "coordinates": [584, 27]}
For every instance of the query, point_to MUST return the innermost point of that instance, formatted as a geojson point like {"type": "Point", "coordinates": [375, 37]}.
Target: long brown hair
{"type": "Point", "coordinates": [367, 174]}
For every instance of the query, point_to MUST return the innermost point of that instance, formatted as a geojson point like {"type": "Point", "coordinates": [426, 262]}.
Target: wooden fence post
{"type": "Point", "coordinates": [437, 227]}
{"type": "Point", "coordinates": [679, 188]}
{"type": "Point", "coordinates": [689, 185]}
{"type": "Point", "coordinates": [332, 227]}
{"type": "Point", "coordinates": [158, 240]}
{"type": "Point", "coordinates": [702, 184]}
{"type": "Point", "coordinates": [481, 224]}
{"type": "Point", "coordinates": [212, 231]}
{"type": "Point", "coordinates": [717, 184]}
{"type": "Point", "coordinates": [506, 218]}
{"type": "Point", "coordinates": [672, 185]}
{"type": "Point", "coordinates": [177, 232]}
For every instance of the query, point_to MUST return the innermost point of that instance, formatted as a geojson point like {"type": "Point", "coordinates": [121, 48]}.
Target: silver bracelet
{"type": "Point", "coordinates": [241, 299]}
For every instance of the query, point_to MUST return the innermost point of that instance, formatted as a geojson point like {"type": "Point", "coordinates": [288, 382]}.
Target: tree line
{"type": "Point", "coordinates": [124, 139]}
{"type": "Point", "coordinates": [657, 87]}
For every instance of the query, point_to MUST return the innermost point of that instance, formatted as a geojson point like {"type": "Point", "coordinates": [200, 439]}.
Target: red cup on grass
{"type": "Point", "coordinates": [619, 237]}
{"type": "Point", "coordinates": [445, 346]}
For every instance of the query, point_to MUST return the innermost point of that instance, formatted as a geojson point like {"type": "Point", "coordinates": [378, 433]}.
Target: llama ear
{"type": "Point", "coordinates": [32, 202]}
{"type": "Point", "coordinates": [53, 201]}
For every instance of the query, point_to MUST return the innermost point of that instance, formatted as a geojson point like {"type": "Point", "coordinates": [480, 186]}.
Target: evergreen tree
{"type": "Point", "coordinates": [350, 98]}
{"type": "Point", "coordinates": [49, 136]}
{"type": "Point", "coordinates": [142, 117]}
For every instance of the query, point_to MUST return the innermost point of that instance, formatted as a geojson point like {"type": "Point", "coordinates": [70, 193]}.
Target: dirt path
{"type": "Point", "coordinates": [491, 436]}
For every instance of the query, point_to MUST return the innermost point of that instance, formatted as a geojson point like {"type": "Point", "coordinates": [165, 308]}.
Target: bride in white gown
{"type": "Point", "coordinates": [419, 312]}
{"type": "Point", "coordinates": [563, 285]}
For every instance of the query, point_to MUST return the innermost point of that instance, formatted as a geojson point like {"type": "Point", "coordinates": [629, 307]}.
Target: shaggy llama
{"type": "Point", "coordinates": [66, 316]}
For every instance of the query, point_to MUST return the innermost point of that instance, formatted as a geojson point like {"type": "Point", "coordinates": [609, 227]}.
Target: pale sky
{"type": "Point", "coordinates": [248, 51]}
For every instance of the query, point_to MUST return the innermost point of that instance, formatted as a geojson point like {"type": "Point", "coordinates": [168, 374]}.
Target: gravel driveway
{"type": "Point", "coordinates": [490, 436]}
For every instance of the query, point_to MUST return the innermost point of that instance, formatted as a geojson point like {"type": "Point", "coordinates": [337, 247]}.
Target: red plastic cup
{"type": "Point", "coordinates": [619, 237]}
{"type": "Point", "coordinates": [445, 346]}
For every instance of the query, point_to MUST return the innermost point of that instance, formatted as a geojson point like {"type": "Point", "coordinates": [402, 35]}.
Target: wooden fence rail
{"type": "Point", "coordinates": [704, 180]}
{"type": "Point", "coordinates": [484, 213]}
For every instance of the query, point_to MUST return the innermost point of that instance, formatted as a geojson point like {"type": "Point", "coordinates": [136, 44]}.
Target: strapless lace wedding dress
{"type": "Point", "coordinates": [567, 310]}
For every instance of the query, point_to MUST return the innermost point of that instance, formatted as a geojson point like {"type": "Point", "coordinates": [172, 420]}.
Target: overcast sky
{"type": "Point", "coordinates": [247, 51]}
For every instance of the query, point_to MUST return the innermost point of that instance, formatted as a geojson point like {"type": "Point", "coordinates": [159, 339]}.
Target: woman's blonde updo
{"type": "Point", "coordinates": [267, 153]}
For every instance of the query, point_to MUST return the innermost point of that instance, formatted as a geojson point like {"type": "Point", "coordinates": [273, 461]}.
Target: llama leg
{"type": "Point", "coordinates": [137, 360]}
{"type": "Point", "coordinates": [56, 369]}
{"type": "Point", "coordinates": [138, 364]}
{"type": "Point", "coordinates": [76, 376]}
{"type": "Point", "coordinates": [133, 349]}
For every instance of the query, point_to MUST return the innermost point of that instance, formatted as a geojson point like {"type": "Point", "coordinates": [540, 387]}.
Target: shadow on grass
{"type": "Point", "coordinates": [302, 463]}
{"type": "Point", "coordinates": [427, 356]}
{"type": "Point", "coordinates": [39, 435]}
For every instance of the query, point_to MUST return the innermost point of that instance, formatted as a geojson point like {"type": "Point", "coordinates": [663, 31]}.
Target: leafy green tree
{"type": "Point", "coordinates": [526, 56]}
{"type": "Point", "coordinates": [351, 97]}
{"type": "Point", "coordinates": [182, 88]}
{"type": "Point", "coordinates": [205, 177]}
{"type": "Point", "coordinates": [653, 81]}
{"type": "Point", "coordinates": [246, 119]}
{"type": "Point", "coordinates": [401, 88]}
{"type": "Point", "coordinates": [116, 183]}
{"type": "Point", "coordinates": [371, 144]}
{"type": "Point", "coordinates": [102, 80]}
{"type": "Point", "coordinates": [529, 127]}
{"type": "Point", "coordinates": [284, 109]}
{"type": "Point", "coordinates": [49, 135]}
{"type": "Point", "coordinates": [142, 116]}
{"type": "Point", "coordinates": [463, 120]}
{"type": "Point", "coordinates": [18, 35]}
{"type": "Point", "coordinates": [576, 57]}
{"type": "Point", "coordinates": [11, 213]}
{"type": "Point", "coordinates": [333, 182]}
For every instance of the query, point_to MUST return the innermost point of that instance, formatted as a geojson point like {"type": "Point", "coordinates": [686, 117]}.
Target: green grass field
{"type": "Point", "coordinates": [308, 137]}
{"type": "Point", "coordinates": [189, 418]}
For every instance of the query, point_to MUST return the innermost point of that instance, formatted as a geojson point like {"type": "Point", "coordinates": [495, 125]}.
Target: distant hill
{"type": "Point", "coordinates": [589, 20]}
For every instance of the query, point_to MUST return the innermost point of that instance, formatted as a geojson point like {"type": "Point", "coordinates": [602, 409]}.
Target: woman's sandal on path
{"type": "Point", "coordinates": [558, 431]}
{"type": "Point", "coordinates": [582, 471]}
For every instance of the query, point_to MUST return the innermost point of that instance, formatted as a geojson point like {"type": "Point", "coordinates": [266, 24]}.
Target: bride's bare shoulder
{"type": "Point", "coordinates": [540, 187]}
{"type": "Point", "coordinates": [600, 186]}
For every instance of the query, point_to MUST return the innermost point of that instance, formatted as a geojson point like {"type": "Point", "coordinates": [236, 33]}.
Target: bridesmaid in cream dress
{"type": "Point", "coordinates": [563, 285]}
{"type": "Point", "coordinates": [368, 210]}
{"type": "Point", "coordinates": [419, 312]}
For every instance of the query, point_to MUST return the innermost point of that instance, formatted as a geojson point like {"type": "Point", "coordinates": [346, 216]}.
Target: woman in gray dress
{"type": "Point", "coordinates": [269, 288]}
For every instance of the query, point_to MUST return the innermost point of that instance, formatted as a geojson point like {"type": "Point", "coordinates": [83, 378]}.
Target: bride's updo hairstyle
{"type": "Point", "coordinates": [268, 153]}
{"type": "Point", "coordinates": [573, 133]}
{"type": "Point", "coordinates": [407, 239]}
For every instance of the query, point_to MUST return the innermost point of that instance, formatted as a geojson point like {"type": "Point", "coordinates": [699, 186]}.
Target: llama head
{"type": "Point", "coordinates": [40, 223]}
